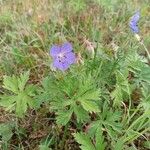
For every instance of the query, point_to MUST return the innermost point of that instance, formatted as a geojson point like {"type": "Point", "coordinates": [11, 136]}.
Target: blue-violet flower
{"type": "Point", "coordinates": [134, 22]}
{"type": "Point", "coordinates": [62, 56]}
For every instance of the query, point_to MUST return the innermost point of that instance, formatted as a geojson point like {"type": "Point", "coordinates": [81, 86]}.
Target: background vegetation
{"type": "Point", "coordinates": [100, 103]}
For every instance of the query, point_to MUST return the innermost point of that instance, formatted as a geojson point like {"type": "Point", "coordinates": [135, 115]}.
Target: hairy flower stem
{"type": "Point", "coordinates": [142, 43]}
{"type": "Point", "coordinates": [99, 70]}
{"type": "Point", "coordinates": [145, 48]}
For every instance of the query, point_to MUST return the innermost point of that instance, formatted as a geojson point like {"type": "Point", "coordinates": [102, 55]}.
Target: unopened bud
{"type": "Point", "coordinates": [137, 37]}
{"type": "Point", "coordinates": [90, 47]}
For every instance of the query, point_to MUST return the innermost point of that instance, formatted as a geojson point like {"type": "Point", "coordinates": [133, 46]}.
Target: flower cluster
{"type": "Point", "coordinates": [63, 55]}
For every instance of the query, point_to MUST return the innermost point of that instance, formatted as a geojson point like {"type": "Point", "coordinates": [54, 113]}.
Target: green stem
{"type": "Point", "coordinates": [99, 69]}
{"type": "Point", "coordinates": [133, 114]}
{"type": "Point", "coordinates": [144, 131]}
{"type": "Point", "coordinates": [145, 48]}
{"type": "Point", "coordinates": [136, 121]}
{"type": "Point", "coordinates": [130, 101]}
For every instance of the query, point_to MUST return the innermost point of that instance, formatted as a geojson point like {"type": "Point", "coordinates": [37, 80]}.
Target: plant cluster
{"type": "Point", "coordinates": [102, 101]}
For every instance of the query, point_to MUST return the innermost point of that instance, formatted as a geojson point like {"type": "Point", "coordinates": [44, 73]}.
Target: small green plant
{"type": "Point", "coordinates": [6, 133]}
{"type": "Point", "coordinates": [18, 95]}
{"type": "Point", "coordinates": [72, 95]}
{"type": "Point", "coordinates": [90, 93]}
{"type": "Point", "coordinates": [87, 142]}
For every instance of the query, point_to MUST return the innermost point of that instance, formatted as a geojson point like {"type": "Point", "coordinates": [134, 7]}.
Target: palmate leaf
{"type": "Point", "coordinates": [111, 120]}
{"type": "Point", "coordinates": [100, 144]}
{"type": "Point", "coordinates": [146, 103]}
{"type": "Point", "coordinates": [75, 93]}
{"type": "Point", "coordinates": [85, 141]}
{"type": "Point", "coordinates": [138, 65]}
{"type": "Point", "coordinates": [6, 131]}
{"type": "Point", "coordinates": [88, 101]}
{"type": "Point", "coordinates": [7, 101]}
{"type": "Point", "coordinates": [122, 86]}
{"type": "Point", "coordinates": [80, 113]}
{"type": "Point", "coordinates": [20, 95]}
{"type": "Point", "coordinates": [90, 106]}
{"type": "Point", "coordinates": [135, 62]}
{"type": "Point", "coordinates": [63, 116]}
{"type": "Point", "coordinates": [10, 83]}
{"type": "Point", "coordinates": [95, 130]}
{"type": "Point", "coordinates": [93, 127]}
{"type": "Point", "coordinates": [117, 96]}
{"type": "Point", "coordinates": [47, 91]}
{"type": "Point", "coordinates": [22, 80]}
{"type": "Point", "coordinates": [22, 102]}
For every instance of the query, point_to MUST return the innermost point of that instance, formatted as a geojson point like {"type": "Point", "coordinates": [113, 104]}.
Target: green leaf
{"type": "Point", "coordinates": [11, 84]}
{"type": "Point", "coordinates": [48, 82]}
{"type": "Point", "coordinates": [91, 95]}
{"type": "Point", "coordinates": [22, 80]}
{"type": "Point", "coordinates": [6, 131]}
{"type": "Point", "coordinates": [84, 140]}
{"type": "Point", "coordinates": [21, 95]}
{"type": "Point", "coordinates": [30, 90]}
{"type": "Point", "coordinates": [21, 104]}
{"type": "Point", "coordinates": [63, 117]}
{"type": "Point", "coordinates": [7, 101]}
{"type": "Point", "coordinates": [100, 144]}
{"type": "Point", "coordinates": [95, 130]}
{"type": "Point", "coordinates": [145, 74]}
{"type": "Point", "coordinates": [122, 87]}
{"type": "Point", "coordinates": [93, 127]}
{"type": "Point", "coordinates": [136, 62]}
{"type": "Point", "coordinates": [117, 96]}
{"type": "Point", "coordinates": [119, 144]}
{"type": "Point", "coordinates": [88, 101]}
{"type": "Point", "coordinates": [90, 106]}
{"type": "Point", "coordinates": [81, 114]}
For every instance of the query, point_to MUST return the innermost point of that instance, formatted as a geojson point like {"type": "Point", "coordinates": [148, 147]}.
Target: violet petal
{"type": "Point", "coordinates": [54, 51]}
{"type": "Point", "coordinates": [70, 58]}
{"type": "Point", "coordinates": [134, 22]}
{"type": "Point", "coordinates": [66, 47]}
{"type": "Point", "coordinates": [60, 65]}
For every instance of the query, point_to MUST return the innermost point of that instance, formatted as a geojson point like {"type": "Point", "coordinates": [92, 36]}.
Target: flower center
{"type": "Point", "coordinates": [61, 57]}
